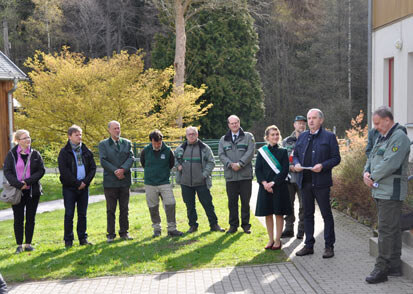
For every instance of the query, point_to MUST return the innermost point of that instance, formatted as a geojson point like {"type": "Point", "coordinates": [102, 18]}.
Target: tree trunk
{"type": "Point", "coordinates": [180, 51]}
{"type": "Point", "coordinates": [108, 39]}
{"type": "Point", "coordinates": [6, 38]}
{"type": "Point", "coordinates": [180, 46]}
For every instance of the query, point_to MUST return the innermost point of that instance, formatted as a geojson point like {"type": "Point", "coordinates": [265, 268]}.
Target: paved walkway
{"type": "Point", "coordinates": [345, 273]}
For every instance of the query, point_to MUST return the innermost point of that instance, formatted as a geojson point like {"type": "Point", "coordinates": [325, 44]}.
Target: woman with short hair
{"type": "Point", "coordinates": [271, 169]}
{"type": "Point", "coordinates": [14, 165]}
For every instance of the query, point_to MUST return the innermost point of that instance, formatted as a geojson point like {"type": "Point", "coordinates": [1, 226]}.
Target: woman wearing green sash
{"type": "Point", "coordinates": [271, 169]}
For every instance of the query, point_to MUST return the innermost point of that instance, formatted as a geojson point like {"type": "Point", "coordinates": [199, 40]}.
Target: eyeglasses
{"type": "Point", "coordinates": [25, 138]}
{"type": "Point", "coordinates": [191, 134]}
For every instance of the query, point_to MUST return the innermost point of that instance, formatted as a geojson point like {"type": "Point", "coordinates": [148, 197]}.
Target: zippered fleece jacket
{"type": "Point", "coordinates": [388, 164]}
{"type": "Point", "coordinates": [207, 162]}
{"type": "Point", "coordinates": [242, 151]}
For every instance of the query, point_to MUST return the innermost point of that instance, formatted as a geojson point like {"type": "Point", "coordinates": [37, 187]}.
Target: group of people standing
{"type": "Point", "coordinates": [301, 165]}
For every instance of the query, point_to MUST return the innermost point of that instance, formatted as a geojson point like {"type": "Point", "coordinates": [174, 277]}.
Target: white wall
{"type": "Point", "coordinates": [383, 42]}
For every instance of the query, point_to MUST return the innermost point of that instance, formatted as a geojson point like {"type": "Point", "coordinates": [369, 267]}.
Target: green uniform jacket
{"type": "Point", "coordinates": [156, 169]}
{"type": "Point", "coordinates": [112, 159]}
{"type": "Point", "coordinates": [388, 163]}
{"type": "Point", "coordinates": [242, 151]}
{"type": "Point", "coordinates": [289, 144]}
{"type": "Point", "coordinates": [207, 162]}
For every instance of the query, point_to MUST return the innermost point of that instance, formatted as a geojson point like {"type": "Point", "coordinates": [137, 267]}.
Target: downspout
{"type": "Point", "coordinates": [10, 108]}
{"type": "Point", "coordinates": [369, 63]}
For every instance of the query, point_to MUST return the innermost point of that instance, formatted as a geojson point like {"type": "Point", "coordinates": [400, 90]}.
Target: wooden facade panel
{"type": "Point", "coordinates": [5, 86]}
{"type": "Point", "coordinates": [388, 11]}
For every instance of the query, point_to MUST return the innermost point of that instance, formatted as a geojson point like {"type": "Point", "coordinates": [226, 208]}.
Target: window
{"type": "Point", "coordinates": [388, 83]}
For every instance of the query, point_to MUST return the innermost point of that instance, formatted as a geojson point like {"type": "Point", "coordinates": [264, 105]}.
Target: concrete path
{"type": "Point", "coordinates": [47, 206]}
{"type": "Point", "coordinates": [345, 273]}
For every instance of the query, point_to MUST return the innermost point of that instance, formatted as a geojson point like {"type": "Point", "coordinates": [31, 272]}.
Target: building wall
{"type": "Point", "coordinates": [5, 86]}
{"type": "Point", "coordinates": [388, 11]}
{"type": "Point", "coordinates": [383, 43]}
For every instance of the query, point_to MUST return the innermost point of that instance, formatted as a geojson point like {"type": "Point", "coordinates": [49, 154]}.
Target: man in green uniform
{"type": "Point", "coordinates": [289, 144]}
{"type": "Point", "coordinates": [157, 159]}
{"type": "Point", "coordinates": [386, 174]}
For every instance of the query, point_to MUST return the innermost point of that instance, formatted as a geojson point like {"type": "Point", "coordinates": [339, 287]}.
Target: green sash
{"type": "Point", "coordinates": [270, 159]}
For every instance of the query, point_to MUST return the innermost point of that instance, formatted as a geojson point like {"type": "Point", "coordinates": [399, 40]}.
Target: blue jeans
{"type": "Point", "coordinates": [71, 196]}
{"type": "Point", "coordinates": [322, 195]}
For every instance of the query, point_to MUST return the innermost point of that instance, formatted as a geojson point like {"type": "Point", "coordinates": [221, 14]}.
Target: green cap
{"type": "Point", "coordinates": [300, 117]}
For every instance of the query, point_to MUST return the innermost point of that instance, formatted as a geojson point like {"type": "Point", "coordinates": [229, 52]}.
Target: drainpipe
{"type": "Point", "coordinates": [369, 64]}
{"type": "Point", "coordinates": [10, 108]}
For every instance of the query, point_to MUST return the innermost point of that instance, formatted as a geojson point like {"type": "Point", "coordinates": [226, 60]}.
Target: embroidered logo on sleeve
{"type": "Point", "coordinates": [395, 148]}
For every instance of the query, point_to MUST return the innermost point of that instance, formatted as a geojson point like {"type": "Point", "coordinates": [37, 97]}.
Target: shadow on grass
{"type": "Point", "coordinates": [115, 258]}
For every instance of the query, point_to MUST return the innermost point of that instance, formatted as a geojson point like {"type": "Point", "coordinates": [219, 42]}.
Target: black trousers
{"type": "Point", "coordinates": [322, 195]}
{"type": "Point", "coordinates": [113, 195]}
{"type": "Point", "coordinates": [205, 197]}
{"type": "Point", "coordinates": [73, 197]}
{"type": "Point", "coordinates": [28, 204]}
{"type": "Point", "coordinates": [241, 189]}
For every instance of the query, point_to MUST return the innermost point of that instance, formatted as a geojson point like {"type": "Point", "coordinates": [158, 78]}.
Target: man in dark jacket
{"type": "Point", "coordinates": [316, 153]}
{"type": "Point", "coordinates": [157, 159]}
{"type": "Point", "coordinates": [116, 158]}
{"type": "Point", "coordinates": [77, 169]}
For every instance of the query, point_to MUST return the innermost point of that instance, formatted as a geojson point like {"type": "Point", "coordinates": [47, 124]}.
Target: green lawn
{"type": "Point", "coordinates": [51, 260]}
{"type": "Point", "coordinates": [52, 188]}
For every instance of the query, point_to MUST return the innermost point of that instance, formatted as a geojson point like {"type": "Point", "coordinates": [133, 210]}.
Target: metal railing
{"type": "Point", "coordinates": [137, 169]}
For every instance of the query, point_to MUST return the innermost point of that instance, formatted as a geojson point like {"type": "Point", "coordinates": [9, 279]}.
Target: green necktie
{"type": "Point", "coordinates": [118, 145]}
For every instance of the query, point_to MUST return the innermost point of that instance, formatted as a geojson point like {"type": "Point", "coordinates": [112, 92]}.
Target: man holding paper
{"type": "Point", "coordinates": [315, 155]}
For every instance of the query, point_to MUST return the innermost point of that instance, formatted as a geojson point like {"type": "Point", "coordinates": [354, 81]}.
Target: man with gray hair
{"type": "Point", "coordinates": [195, 162]}
{"type": "Point", "coordinates": [236, 150]}
{"type": "Point", "coordinates": [116, 158]}
{"type": "Point", "coordinates": [385, 173]}
{"type": "Point", "coordinates": [315, 155]}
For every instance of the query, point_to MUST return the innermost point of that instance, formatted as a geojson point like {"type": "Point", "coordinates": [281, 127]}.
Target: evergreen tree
{"type": "Point", "coordinates": [220, 54]}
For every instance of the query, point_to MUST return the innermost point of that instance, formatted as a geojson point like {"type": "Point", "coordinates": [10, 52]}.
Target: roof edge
{"type": "Point", "coordinates": [16, 67]}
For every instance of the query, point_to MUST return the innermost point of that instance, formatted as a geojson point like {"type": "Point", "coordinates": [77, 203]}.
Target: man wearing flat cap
{"type": "Point", "coordinates": [289, 144]}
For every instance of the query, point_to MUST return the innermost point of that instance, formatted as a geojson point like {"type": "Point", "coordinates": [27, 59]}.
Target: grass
{"type": "Point", "coordinates": [52, 188]}
{"type": "Point", "coordinates": [203, 249]}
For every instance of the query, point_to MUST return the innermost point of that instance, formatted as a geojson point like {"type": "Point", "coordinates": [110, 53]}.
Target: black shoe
{"type": "Point", "coordinates": [395, 272]}
{"type": "Point", "coordinates": [232, 230]}
{"type": "Point", "coordinates": [19, 249]}
{"type": "Point", "coordinates": [300, 235]}
{"type": "Point", "coordinates": [28, 248]}
{"type": "Point", "coordinates": [305, 251]}
{"type": "Point", "coordinates": [126, 237]}
{"type": "Point", "coordinates": [192, 229]}
{"type": "Point", "coordinates": [328, 252]}
{"type": "Point", "coordinates": [217, 228]}
{"type": "Point", "coordinates": [287, 234]}
{"type": "Point", "coordinates": [156, 234]}
{"type": "Point", "coordinates": [84, 242]}
{"type": "Point", "coordinates": [68, 244]}
{"type": "Point", "coordinates": [377, 276]}
{"type": "Point", "coordinates": [247, 230]}
{"type": "Point", "coordinates": [175, 233]}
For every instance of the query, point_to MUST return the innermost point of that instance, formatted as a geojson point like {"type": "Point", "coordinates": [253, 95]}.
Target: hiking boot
{"type": "Point", "coordinates": [192, 229]}
{"type": "Point", "coordinates": [328, 252]}
{"type": "Point", "coordinates": [110, 239]}
{"type": "Point", "coordinates": [126, 237]}
{"type": "Point", "coordinates": [300, 235]}
{"type": "Point", "coordinates": [287, 234]}
{"type": "Point", "coordinates": [175, 233]}
{"type": "Point", "coordinates": [19, 249]}
{"type": "Point", "coordinates": [156, 234]}
{"type": "Point", "coordinates": [377, 276]}
{"type": "Point", "coordinates": [68, 244]}
{"type": "Point", "coordinates": [84, 242]}
{"type": "Point", "coordinates": [217, 228]}
{"type": "Point", "coordinates": [232, 230]}
{"type": "Point", "coordinates": [395, 272]}
{"type": "Point", "coordinates": [28, 248]}
{"type": "Point", "coordinates": [305, 251]}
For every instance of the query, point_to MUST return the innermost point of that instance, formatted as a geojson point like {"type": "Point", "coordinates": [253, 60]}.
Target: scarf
{"type": "Point", "coordinates": [78, 153]}
{"type": "Point", "coordinates": [20, 164]}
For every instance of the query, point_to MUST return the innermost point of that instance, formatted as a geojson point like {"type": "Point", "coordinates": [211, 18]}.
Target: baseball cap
{"type": "Point", "coordinates": [300, 117]}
